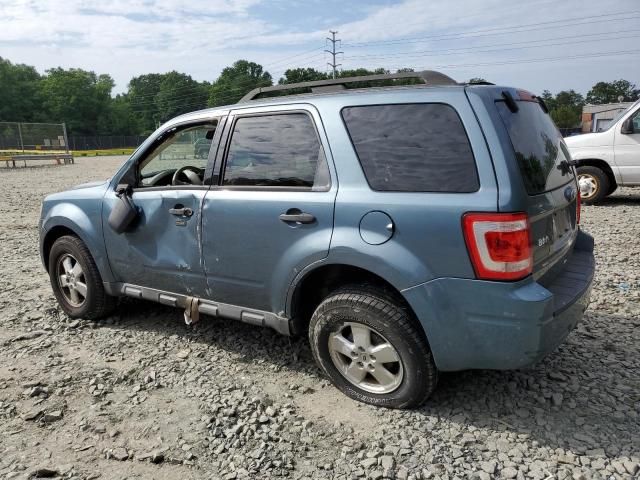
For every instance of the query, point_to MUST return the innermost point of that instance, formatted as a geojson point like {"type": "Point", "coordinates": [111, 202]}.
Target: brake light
{"type": "Point", "coordinates": [578, 206]}
{"type": "Point", "coordinates": [526, 96]}
{"type": "Point", "coordinates": [499, 245]}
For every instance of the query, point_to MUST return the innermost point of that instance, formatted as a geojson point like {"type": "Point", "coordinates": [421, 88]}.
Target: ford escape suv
{"type": "Point", "coordinates": [406, 229]}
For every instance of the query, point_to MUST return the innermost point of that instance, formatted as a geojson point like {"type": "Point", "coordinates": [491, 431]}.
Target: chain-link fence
{"type": "Point", "coordinates": [17, 136]}
{"type": "Point", "coordinates": [104, 142]}
{"type": "Point", "coordinates": [48, 137]}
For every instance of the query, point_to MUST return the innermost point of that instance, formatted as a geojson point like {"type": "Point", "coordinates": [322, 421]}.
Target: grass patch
{"type": "Point", "coordinates": [97, 153]}
{"type": "Point", "coordinates": [75, 153]}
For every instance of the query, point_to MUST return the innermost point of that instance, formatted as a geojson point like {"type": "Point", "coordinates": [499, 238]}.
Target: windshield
{"type": "Point", "coordinates": [620, 115]}
{"type": "Point", "coordinates": [541, 154]}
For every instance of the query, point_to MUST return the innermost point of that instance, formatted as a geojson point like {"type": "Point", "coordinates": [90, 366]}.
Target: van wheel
{"type": "Point", "coordinates": [76, 281]}
{"type": "Point", "coordinates": [593, 184]}
{"type": "Point", "coordinates": [370, 347]}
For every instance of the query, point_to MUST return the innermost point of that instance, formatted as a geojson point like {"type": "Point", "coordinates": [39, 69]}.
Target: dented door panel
{"type": "Point", "coordinates": [161, 250]}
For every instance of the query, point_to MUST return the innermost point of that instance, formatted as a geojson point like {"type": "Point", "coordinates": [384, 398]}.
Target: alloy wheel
{"type": "Point", "coordinates": [365, 358]}
{"type": "Point", "coordinates": [71, 280]}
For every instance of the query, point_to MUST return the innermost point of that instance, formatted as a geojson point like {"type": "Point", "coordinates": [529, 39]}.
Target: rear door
{"type": "Point", "coordinates": [549, 180]}
{"type": "Point", "coordinates": [271, 212]}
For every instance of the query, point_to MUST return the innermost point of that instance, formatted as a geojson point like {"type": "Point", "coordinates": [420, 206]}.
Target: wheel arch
{"type": "Point", "coordinates": [49, 239]}
{"type": "Point", "coordinates": [602, 165]}
{"type": "Point", "coordinates": [56, 226]}
{"type": "Point", "coordinates": [318, 283]}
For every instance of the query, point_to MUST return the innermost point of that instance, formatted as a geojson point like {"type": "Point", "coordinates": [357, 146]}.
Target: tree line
{"type": "Point", "coordinates": [83, 100]}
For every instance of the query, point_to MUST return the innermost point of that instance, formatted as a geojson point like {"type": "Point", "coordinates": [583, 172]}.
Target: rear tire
{"type": "Point", "coordinates": [593, 183]}
{"type": "Point", "coordinates": [370, 347]}
{"type": "Point", "coordinates": [76, 281]}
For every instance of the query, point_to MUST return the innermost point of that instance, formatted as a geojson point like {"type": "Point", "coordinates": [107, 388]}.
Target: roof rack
{"type": "Point", "coordinates": [430, 77]}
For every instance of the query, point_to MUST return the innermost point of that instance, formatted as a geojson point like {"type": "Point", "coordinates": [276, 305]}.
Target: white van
{"type": "Point", "coordinates": [609, 158]}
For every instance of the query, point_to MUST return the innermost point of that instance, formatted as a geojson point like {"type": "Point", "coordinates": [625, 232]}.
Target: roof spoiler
{"type": "Point", "coordinates": [430, 77]}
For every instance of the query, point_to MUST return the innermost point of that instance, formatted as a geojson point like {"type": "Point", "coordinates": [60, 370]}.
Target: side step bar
{"type": "Point", "coordinates": [206, 307]}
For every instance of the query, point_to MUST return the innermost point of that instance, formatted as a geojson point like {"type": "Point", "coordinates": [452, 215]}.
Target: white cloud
{"type": "Point", "coordinates": [131, 37]}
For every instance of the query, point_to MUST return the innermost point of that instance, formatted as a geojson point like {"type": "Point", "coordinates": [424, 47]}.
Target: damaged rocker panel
{"type": "Point", "coordinates": [204, 306]}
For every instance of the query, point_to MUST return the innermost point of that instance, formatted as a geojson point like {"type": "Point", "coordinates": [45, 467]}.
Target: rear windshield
{"type": "Point", "coordinates": [419, 147]}
{"type": "Point", "coordinates": [538, 147]}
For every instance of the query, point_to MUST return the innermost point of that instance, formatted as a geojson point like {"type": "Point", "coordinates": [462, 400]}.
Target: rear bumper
{"type": "Point", "coordinates": [475, 324]}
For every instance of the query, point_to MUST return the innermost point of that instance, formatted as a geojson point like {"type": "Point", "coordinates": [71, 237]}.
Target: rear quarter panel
{"type": "Point", "coordinates": [427, 242]}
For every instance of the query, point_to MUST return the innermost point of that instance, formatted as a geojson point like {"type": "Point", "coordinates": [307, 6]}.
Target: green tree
{"type": "Point", "coordinates": [178, 93]}
{"type": "Point", "coordinates": [20, 96]}
{"type": "Point", "coordinates": [565, 117]}
{"type": "Point", "coordinates": [608, 92]}
{"type": "Point", "coordinates": [565, 107]}
{"type": "Point", "coordinates": [141, 96]}
{"type": "Point", "coordinates": [476, 80]}
{"type": "Point", "coordinates": [119, 118]}
{"type": "Point", "coordinates": [78, 97]}
{"type": "Point", "coordinates": [237, 80]}
{"type": "Point", "coordinates": [297, 75]}
{"type": "Point", "coordinates": [549, 99]}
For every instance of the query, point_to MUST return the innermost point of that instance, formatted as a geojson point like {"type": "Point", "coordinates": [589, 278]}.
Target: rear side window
{"type": "Point", "coordinates": [538, 146]}
{"type": "Point", "coordinates": [276, 151]}
{"type": "Point", "coordinates": [421, 147]}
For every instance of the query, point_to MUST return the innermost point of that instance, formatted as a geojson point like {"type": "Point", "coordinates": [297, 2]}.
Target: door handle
{"type": "Point", "coordinates": [181, 212]}
{"type": "Point", "coordinates": [294, 215]}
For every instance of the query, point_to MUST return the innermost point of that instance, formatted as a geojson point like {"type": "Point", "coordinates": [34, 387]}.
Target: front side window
{"type": "Point", "coordinates": [180, 158]}
{"type": "Point", "coordinates": [281, 150]}
{"type": "Point", "coordinates": [421, 147]}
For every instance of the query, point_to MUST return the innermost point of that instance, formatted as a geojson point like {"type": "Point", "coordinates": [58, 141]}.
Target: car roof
{"type": "Point", "coordinates": [308, 98]}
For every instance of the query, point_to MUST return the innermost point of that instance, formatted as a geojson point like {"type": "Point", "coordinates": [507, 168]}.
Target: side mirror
{"type": "Point", "coordinates": [627, 126]}
{"type": "Point", "coordinates": [124, 212]}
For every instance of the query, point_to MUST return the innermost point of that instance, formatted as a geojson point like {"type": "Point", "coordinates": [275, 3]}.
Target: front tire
{"type": "Point", "coordinates": [76, 281]}
{"type": "Point", "coordinates": [370, 347]}
{"type": "Point", "coordinates": [593, 184]}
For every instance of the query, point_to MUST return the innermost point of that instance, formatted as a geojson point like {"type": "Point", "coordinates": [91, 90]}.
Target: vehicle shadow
{"type": "Point", "coordinates": [583, 397]}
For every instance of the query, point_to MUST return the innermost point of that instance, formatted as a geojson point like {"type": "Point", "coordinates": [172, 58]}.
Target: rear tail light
{"type": "Point", "coordinates": [499, 245]}
{"type": "Point", "coordinates": [578, 206]}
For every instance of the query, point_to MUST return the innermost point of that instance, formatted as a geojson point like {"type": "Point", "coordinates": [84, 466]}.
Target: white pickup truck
{"type": "Point", "coordinates": [610, 158]}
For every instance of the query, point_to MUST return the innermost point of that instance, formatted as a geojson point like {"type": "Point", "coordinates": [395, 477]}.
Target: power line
{"type": "Point", "coordinates": [531, 60]}
{"type": "Point", "coordinates": [228, 96]}
{"type": "Point", "coordinates": [500, 30]}
{"type": "Point", "coordinates": [186, 97]}
{"type": "Point", "coordinates": [503, 46]}
{"type": "Point", "coordinates": [333, 52]}
{"type": "Point", "coordinates": [149, 99]}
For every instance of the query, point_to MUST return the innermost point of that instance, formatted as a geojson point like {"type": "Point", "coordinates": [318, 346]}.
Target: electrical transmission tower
{"type": "Point", "coordinates": [333, 52]}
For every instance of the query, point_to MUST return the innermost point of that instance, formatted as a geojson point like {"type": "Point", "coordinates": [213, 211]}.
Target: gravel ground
{"type": "Point", "coordinates": [141, 395]}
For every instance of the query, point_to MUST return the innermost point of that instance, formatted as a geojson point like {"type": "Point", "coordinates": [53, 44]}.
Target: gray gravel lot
{"type": "Point", "coordinates": [141, 395]}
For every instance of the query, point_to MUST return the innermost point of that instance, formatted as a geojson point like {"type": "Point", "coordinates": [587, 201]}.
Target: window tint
{"type": "Point", "coordinates": [538, 146]}
{"type": "Point", "coordinates": [412, 147]}
{"type": "Point", "coordinates": [276, 151]}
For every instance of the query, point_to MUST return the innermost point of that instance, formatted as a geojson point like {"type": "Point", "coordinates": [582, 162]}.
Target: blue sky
{"type": "Point", "coordinates": [536, 44]}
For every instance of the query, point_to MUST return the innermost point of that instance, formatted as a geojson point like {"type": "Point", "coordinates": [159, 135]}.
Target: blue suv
{"type": "Point", "coordinates": [407, 228]}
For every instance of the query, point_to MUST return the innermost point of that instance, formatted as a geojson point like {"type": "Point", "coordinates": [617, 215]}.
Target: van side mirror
{"type": "Point", "coordinates": [627, 126]}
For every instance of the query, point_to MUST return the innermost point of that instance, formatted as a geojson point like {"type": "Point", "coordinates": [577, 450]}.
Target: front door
{"type": "Point", "coordinates": [161, 249]}
{"type": "Point", "coordinates": [627, 152]}
{"type": "Point", "coordinates": [271, 214]}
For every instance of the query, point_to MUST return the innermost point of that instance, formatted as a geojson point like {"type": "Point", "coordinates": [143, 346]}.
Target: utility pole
{"type": "Point", "coordinates": [333, 52]}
